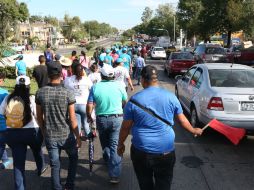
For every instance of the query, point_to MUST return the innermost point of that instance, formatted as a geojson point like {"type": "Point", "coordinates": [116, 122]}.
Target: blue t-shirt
{"type": "Point", "coordinates": [3, 94]}
{"type": "Point", "coordinates": [108, 59]}
{"type": "Point", "coordinates": [21, 65]}
{"type": "Point", "coordinates": [126, 60]}
{"type": "Point", "coordinates": [140, 62]}
{"type": "Point", "coordinates": [108, 97]}
{"type": "Point", "coordinates": [149, 134]}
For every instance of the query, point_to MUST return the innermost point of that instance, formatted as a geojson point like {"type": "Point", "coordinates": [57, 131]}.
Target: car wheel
{"type": "Point", "coordinates": [194, 118]}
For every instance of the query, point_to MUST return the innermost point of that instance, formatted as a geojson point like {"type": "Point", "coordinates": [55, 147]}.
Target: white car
{"type": "Point", "coordinates": [158, 53]}
{"type": "Point", "coordinates": [18, 48]}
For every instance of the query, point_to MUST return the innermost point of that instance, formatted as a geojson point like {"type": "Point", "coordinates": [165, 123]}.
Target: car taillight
{"type": "Point", "coordinates": [215, 104]}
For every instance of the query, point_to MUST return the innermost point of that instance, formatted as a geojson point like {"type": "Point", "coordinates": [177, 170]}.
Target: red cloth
{"type": "Point", "coordinates": [233, 134]}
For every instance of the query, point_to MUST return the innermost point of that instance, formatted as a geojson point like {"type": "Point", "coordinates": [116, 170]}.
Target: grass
{"type": "Point", "coordinates": [9, 85]}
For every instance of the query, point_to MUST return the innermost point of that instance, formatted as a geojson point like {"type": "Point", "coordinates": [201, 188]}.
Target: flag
{"type": "Point", "coordinates": [233, 134]}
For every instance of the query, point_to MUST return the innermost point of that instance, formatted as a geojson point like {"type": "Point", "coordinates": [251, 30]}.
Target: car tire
{"type": "Point", "coordinates": [194, 118]}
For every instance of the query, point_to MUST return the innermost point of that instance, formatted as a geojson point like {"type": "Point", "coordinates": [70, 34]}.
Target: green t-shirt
{"type": "Point", "coordinates": [108, 97]}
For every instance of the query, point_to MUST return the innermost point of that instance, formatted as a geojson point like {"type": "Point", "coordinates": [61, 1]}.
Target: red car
{"type": "Point", "coordinates": [178, 63]}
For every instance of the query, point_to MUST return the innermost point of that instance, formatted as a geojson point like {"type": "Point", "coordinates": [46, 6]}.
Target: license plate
{"type": "Point", "coordinates": [215, 58]}
{"type": "Point", "coordinates": [247, 106]}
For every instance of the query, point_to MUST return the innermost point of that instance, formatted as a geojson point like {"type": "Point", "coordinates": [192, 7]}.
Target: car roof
{"type": "Point", "coordinates": [158, 47]}
{"type": "Point", "coordinates": [212, 66]}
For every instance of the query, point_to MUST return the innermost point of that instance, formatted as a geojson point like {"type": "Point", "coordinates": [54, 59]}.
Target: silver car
{"type": "Point", "coordinates": [218, 90]}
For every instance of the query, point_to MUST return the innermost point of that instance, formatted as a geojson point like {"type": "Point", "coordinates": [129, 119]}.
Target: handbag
{"type": "Point", "coordinates": [151, 112]}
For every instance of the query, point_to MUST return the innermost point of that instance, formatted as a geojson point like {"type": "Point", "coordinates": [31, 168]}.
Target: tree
{"type": "Point", "coordinates": [70, 25]}
{"type": "Point", "coordinates": [129, 33]}
{"type": "Point", "coordinates": [35, 18]}
{"type": "Point", "coordinates": [10, 13]}
{"type": "Point", "coordinates": [147, 15]}
{"type": "Point", "coordinates": [51, 20]}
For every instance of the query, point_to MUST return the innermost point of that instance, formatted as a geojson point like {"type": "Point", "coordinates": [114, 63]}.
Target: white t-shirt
{"type": "Point", "coordinates": [33, 122]}
{"type": "Point", "coordinates": [121, 75]}
{"type": "Point", "coordinates": [94, 77]}
{"type": "Point", "coordinates": [80, 88]}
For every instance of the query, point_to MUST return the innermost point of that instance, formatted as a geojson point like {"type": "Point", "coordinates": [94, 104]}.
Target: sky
{"type": "Point", "coordinates": [122, 14]}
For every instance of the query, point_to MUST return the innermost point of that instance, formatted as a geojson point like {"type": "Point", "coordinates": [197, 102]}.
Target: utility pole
{"type": "Point", "coordinates": [181, 38]}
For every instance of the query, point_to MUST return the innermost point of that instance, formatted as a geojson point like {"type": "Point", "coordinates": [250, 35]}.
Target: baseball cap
{"type": "Point", "coordinates": [108, 50]}
{"type": "Point", "coordinates": [19, 57]}
{"type": "Point", "coordinates": [23, 80]}
{"type": "Point", "coordinates": [57, 57]}
{"type": "Point", "coordinates": [54, 68]}
{"type": "Point", "coordinates": [107, 70]}
{"type": "Point", "coordinates": [101, 57]}
{"type": "Point", "coordinates": [119, 60]}
{"type": "Point", "coordinates": [149, 73]}
{"type": "Point", "coordinates": [124, 49]}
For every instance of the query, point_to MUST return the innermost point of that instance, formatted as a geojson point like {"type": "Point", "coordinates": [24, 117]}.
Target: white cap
{"type": "Point", "coordinates": [107, 70]}
{"type": "Point", "coordinates": [23, 80]}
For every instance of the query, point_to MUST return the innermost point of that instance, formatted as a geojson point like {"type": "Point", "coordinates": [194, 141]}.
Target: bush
{"type": "Point", "coordinates": [90, 46]}
{"type": "Point", "coordinates": [10, 72]}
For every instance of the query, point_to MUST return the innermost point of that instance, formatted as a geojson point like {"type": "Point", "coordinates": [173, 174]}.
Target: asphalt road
{"type": "Point", "coordinates": [209, 162]}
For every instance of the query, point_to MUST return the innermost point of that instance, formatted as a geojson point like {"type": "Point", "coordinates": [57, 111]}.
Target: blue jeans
{"type": "Point", "coordinates": [18, 140]}
{"type": "Point", "coordinates": [54, 149]}
{"type": "Point", "coordinates": [80, 110]}
{"type": "Point", "coordinates": [138, 74]}
{"type": "Point", "coordinates": [3, 152]}
{"type": "Point", "coordinates": [109, 128]}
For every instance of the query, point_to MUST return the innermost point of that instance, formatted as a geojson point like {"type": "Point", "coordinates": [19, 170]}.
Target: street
{"type": "Point", "coordinates": [209, 162]}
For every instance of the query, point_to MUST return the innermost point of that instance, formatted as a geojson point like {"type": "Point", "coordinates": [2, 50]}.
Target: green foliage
{"type": "Point", "coordinates": [51, 20]}
{"type": "Point", "coordinates": [147, 15]}
{"type": "Point", "coordinates": [10, 72]}
{"type": "Point", "coordinates": [129, 33]}
{"type": "Point", "coordinates": [10, 12]}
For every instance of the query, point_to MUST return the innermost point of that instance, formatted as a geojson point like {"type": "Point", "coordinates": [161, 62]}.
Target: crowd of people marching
{"type": "Point", "coordinates": [75, 93]}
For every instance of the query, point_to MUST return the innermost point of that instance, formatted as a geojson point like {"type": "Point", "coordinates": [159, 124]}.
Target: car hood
{"type": "Point", "coordinates": [233, 90]}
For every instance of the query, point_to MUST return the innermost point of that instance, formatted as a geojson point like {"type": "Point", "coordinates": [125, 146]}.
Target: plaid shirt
{"type": "Point", "coordinates": [55, 100]}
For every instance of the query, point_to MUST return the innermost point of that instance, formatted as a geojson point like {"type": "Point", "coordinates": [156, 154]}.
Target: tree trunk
{"type": "Point", "coordinates": [229, 39]}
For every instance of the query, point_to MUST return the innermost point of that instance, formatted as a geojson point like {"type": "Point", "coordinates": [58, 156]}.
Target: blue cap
{"type": "Point", "coordinates": [108, 50]}
{"type": "Point", "coordinates": [119, 60]}
{"type": "Point", "coordinates": [124, 49]}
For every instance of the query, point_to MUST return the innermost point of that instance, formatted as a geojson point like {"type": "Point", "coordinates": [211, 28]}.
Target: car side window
{"type": "Point", "coordinates": [189, 74]}
{"type": "Point", "coordinates": [197, 78]}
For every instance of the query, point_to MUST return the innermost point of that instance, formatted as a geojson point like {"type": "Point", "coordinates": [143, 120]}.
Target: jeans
{"type": "Point", "coordinates": [3, 152]}
{"type": "Point", "coordinates": [153, 171]}
{"type": "Point", "coordinates": [109, 128]}
{"type": "Point", "coordinates": [54, 149]}
{"type": "Point", "coordinates": [18, 140]}
{"type": "Point", "coordinates": [138, 74]}
{"type": "Point", "coordinates": [80, 110]}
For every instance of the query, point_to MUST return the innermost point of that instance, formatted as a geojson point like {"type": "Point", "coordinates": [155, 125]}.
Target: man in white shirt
{"type": "Point", "coordinates": [122, 74]}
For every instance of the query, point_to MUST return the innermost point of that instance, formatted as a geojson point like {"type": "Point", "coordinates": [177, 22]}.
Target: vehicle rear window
{"type": "Point", "coordinates": [158, 49]}
{"type": "Point", "coordinates": [232, 78]}
{"type": "Point", "coordinates": [182, 56]}
{"type": "Point", "coordinates": [214, 50]}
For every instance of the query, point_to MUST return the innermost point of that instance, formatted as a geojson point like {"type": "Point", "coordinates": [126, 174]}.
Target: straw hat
{"type": "Point", "coordinates": [65, 61]}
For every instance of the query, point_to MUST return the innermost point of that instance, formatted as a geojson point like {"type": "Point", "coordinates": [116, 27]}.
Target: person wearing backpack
{"type": "Point", "coordinates": [19, 111]}
{"type": "Point", "coordinates": [49, 54]}
{"type": "Point", "coordinates": [6, 162]}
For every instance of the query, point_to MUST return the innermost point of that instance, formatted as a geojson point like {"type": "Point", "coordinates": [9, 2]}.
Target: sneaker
{"type": "Point", "coordinates": [114, 180]}
{"type": "Point", "coordinates": [6, 164]}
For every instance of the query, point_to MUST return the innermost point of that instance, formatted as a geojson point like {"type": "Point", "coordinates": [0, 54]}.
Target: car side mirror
{"type": "Point", "coordinates": [179, 77]}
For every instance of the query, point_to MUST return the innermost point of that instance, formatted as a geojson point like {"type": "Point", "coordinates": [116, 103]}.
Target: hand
{"type": "Point", "coordinates": [79, 142]}
{"type": "Point", "coordinates": [197, 132]}
{"type": "Point", "coordinates": [120, 149]}
{"type": "Point", "coordinates": [132, 88]}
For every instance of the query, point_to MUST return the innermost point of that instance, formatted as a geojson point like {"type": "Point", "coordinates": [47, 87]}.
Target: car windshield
{"type": "Point", "coordinates": [182, 56]}
{"type": "Point", "coordinates": [232, 78]}
{"type": "Point", "coordinates": [215, 50]}
{"type": "Point", "coordinates": [158, 49]}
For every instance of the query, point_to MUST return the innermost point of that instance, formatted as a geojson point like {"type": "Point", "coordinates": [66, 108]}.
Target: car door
{"type": "Point", "coordinates": [183, 84]}
{"type": "Point", "coordinates": [194, 88]}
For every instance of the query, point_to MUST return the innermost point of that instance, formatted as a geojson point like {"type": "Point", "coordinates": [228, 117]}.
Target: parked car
{"type": "Point", "coordinates": [158, 53]}
{"type": "Point", "coordinates": [178, 63]}
{"type": "Point", "coordinates": [240, 55]}
{"type": "Point", "coordinates": [82, 43]}
{"type": "Point", "coordinates": [18, 48]}
{"type": "Point", "coordinates": [210, 53]}
{"type": "Point", "coordinates": [218, 90]}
